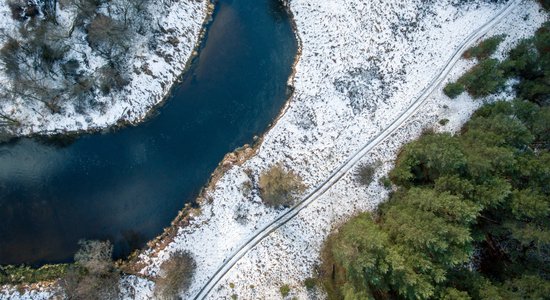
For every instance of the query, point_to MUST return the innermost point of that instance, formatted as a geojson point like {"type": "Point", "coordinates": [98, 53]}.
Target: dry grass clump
{"type": "Point", "coordinates": [176, 275]}
{"type": "Point", "coordinates": [365, 172]}
{"type": "Point", "coordinates": [279, 187]}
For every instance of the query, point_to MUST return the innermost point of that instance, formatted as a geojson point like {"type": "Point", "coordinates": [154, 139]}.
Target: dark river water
{"type": "Point", "coordinates": [128, 185]}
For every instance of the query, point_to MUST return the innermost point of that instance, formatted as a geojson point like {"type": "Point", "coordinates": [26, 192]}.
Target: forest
{"type": "Point", "coordinates": [469, 214]}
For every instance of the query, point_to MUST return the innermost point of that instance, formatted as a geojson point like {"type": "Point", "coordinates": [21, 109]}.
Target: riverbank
{"type": "Point", "coordinates": [156, 70]}
{"type": "Point", "coordinates": [362, 65]}
{"type": "Point", "coordinates": [290, 254]}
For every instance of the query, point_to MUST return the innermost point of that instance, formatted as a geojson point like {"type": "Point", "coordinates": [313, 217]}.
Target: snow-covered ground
{"type": "Point", "coordinates": [363, 63]}
{"type": "Point", "coordinates": [291, 254]}
{"type": "Point", "coordinates": [154, 70]}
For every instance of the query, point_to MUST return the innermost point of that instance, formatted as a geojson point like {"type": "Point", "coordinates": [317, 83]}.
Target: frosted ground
{"type": "Point", "coordinates": [363, 63]}
{"type": "Point", "coordinates": [158, 69]}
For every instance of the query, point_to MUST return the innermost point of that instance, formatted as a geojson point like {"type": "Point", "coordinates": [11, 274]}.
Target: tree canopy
{"type": "Point", "coordinates": [470, 218]}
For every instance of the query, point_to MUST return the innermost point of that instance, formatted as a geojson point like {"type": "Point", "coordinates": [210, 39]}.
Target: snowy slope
{"type": "Point", "coordinates": [363, 63]}
{"type": "Point", "coordinates": [154, 72]}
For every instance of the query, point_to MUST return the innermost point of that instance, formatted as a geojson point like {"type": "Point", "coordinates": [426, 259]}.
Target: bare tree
{"type": "Point", "coordinates": [108, 37]}
{"type": "Point", "coordinates": [94, 275]}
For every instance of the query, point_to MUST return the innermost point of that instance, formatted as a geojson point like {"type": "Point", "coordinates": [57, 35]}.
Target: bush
{"type": "Point", "coordinates": [545, 4]}
{"type": "Point", "coordinates": [176, 275]}
{"type": "Point", "coordinates": [443, 122]}
{"type": "Point", "coordinates": [310, 283]}
{"type": "Point", "coordinates": [22, 10]}
{"type": "Point", "coordinates": [11, 58]}
{"type": "Point", "coordinates": [279, 187]}
{"type": "Point", "coordinates": [93, 276]}
{"type": "Point", "coordinates": [385, 182]}
{"type": "Point", "coordinates": [485, 48]}
{"type": "Point", "coordinates": [365, 173]}
{"type": "Point", "coordinates": [285, 290]}
{"type": "Point", "coordinates": [27, 275]}
{"type": "Point", "coordinates": [484, 79]}
{"type": "Point", "coordinates": [453, 89]}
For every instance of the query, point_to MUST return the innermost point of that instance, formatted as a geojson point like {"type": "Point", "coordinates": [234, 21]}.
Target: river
{"type": "Point", "coordinates": [128, 184]}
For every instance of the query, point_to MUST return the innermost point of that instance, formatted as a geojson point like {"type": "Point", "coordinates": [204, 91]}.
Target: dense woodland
{"type": "Point", "coordinates": [469, 217]}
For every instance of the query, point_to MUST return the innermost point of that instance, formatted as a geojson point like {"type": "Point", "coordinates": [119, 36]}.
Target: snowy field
{"type": "Point", "coordinates": [363, 63]}
{"type": "Point", "coordinates": [155, 70]}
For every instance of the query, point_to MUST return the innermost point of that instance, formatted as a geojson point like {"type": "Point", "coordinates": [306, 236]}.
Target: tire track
{"type": "Point", "coordinates": [350, 162]}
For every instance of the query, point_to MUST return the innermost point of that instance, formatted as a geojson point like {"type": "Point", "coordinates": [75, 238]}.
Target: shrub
{"type": "Point", "coordinates": [279, 187]}
{"type": "Point", "coordinates": [453, 89]}
{"type": "Point", "coordinates": [108, 36]}
{"type": "Point", "coordinates": [94, 275]}
{"type": "Point", "coordinates": [484, 79]}
{"type": "Point", "coordinates": [485, 48]}
{"type": "Point", "coordinates": [310, 283]}
{"type": "Point", "coordinates": [545, 4]}
{"type": "Point", "coordinates": [365, 173]}
{"type": "Point", "coordinates": [111, 79]}
{"type": "Point", "coordinates": [385, 182]}
{"type": "Point", "coordinates": [443, 122]}
{"type": "Point", "coordinates": [21, 10]}
{"type": "Point", "coordinates": [176, 275]}
{"type": "Point", "coordinates": [285, 290]}
{"type": "Point", "coordinates": [27, 275]}
{"type": "Point", "coordinates": [10, 56]}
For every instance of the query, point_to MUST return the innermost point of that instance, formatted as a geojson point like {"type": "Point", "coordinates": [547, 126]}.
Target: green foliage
{"type": "Point", "coordinates": [285, 290]}
{"type": "Point", "coordinates": [279, 187]}
{"type": "Point", "coordinates": [310, 283]}
{"type": "Point", "coordinates": [485, 189]}
{"type": "Point", "coordinates": [424, 160]}
{"type": "Point", "coordinates": [453, 89]}
{"type": "Point", "coordinates": [530, 61]}
{"type": "Point", "coordinates": [485, 48]}
{"type": "Point", "coordinates": [443, 122]}
{"type": "Point", "coordinates": [26, 275]}
{"type": "Point", "coordinates": [402, 252]}
{"type": "Point", "coordinates": [484, 79]}
{"type": "Point", "coordinates": [385, 182]}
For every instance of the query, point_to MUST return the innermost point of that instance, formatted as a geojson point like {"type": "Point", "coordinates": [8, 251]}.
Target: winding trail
{"type": "Point", "coordinates": [350, 162]}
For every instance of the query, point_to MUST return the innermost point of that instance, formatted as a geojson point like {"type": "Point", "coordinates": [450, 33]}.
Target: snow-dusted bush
{"type": "Point", "coordinates": [279, 187]}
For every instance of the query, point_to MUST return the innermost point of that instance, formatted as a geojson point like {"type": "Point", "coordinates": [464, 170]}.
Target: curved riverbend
{"type": "Point", "coordinates": [352, 160]}
{"type": "Point", "coordinates": [129, 184]}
